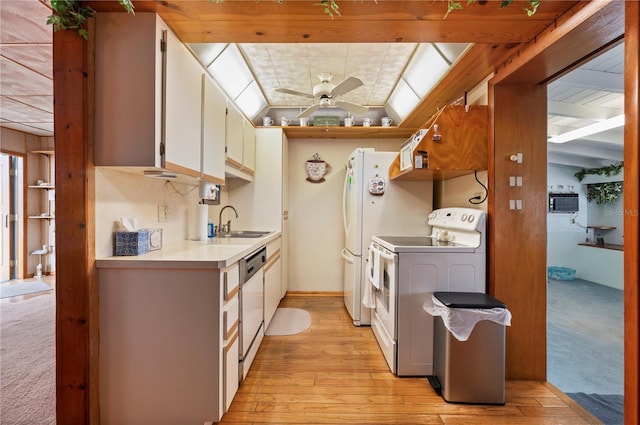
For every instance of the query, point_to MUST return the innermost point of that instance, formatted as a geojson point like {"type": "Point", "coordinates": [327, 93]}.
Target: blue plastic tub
{"type": "Point", "coordinates": [561, 273]}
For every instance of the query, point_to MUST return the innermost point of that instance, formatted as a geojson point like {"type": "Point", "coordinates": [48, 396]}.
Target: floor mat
{"type": "Point", "coordinates": [7, 291]}
{"type": "Point", "coordinates": [289, 321]}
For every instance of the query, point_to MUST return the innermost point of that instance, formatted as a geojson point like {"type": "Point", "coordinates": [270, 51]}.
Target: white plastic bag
{"type": "Point", "coordinates": [461, 321]}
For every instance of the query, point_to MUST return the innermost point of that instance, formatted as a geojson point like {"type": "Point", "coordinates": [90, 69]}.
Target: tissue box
{"type": "Point", "coordinates": [131, 243]}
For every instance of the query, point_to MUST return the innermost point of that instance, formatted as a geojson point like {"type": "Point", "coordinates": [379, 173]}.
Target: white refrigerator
{"type": "Point", "coordinates": [373, 205]}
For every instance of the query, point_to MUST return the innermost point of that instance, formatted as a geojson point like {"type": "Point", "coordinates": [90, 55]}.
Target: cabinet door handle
{"type": "Point", "coordinates": [225, 284]}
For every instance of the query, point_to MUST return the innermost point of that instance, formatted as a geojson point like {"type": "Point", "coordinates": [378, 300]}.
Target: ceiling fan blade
{"type": "Point", "coordinates": [310, 110]}
{"type": "Point", "coordinates": [352, 107]}
{"type": "Point", "coordinates": [295, 93]}
{"type": "Point", "coordinates": [347, 85]}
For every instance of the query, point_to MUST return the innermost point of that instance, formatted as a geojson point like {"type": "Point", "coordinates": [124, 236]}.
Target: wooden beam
{"type": "Point", "coordinates": [587, 28]}
{"type": "Point", "coordinates": [517, 238]}
{"type": "Point", "coordinates": [631, 216]}
{"type": "Point", "coordinates": [293, 21]}
{"type": "Point", "coordinates": [478, 62]}
{"type": "Point", "coordinates": [76, 324]}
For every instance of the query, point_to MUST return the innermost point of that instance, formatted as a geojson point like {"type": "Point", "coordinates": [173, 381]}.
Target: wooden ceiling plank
{"type": "Point", "coordinates": [318, 31]}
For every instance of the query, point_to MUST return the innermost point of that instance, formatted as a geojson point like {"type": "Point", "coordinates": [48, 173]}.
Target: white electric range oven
{"type": "Point", "coordinates": [406, 270]}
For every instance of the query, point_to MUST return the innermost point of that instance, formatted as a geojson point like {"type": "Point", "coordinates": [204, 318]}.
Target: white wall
{"type": "Point", "coordinates": [563, 238]}
{"type": "Point", "coordinates": [120, 194]}
{"type": "Point", "coordinates": [458, 191]}
{"type": "Point", "coordinates": [316, 235]}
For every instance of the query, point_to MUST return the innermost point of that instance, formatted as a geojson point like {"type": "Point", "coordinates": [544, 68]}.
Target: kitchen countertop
{"type": "Point", "coordinates": [187, 254]}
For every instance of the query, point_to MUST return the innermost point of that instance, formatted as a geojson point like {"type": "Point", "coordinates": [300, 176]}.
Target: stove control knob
{"type": "Point", "coordinates": [471, 218]}
{"type": "Point", "coordinates": [464, 217]}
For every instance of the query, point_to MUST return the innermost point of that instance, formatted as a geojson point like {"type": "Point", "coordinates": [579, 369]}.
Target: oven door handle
{"type": "Point", "coordinates": [390, 257]}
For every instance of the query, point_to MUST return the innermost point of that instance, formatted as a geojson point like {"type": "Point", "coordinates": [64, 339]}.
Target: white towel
{"type": "Point", "coordinates": [373, 267]}
{"type": "Point", "coordinates": [369, 299]}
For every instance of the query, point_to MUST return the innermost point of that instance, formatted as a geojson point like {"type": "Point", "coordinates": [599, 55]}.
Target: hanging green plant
{"type": "Point", "coordinates": [70, 14]}
{"type": "Point", "coordinates": [455, 5]}
{"type": "Point", "coordinates": [604, 193]}
{"type": "Point", "coordinates": [608, 170]}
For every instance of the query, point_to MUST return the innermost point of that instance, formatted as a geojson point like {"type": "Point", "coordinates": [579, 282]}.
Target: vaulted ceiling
{"type": "Point", "coordinates": [368, 36]}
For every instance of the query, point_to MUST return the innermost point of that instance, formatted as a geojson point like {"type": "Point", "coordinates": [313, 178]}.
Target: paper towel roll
{"type": "Point", "coordinates": [203, 218]}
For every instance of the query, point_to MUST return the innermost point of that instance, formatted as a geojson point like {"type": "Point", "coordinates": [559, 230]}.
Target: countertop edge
{"type": "Point", "coordinates": [190, 254]}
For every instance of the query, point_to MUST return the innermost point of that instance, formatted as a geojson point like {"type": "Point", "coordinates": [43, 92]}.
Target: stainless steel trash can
{"type": "Point", "coordinates": [470, 371]}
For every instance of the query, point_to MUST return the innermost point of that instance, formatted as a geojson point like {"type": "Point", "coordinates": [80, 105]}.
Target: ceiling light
{"type": "Point", "coordinates": [583, 132]}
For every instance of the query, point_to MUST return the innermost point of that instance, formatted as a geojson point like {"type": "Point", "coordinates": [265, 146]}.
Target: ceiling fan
{"type": "Point", "coordinates": [325, 92]}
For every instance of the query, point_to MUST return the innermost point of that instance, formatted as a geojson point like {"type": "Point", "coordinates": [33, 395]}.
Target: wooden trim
{"type": "Point", "coordinates": [230, 343]}
{"type": "Point", "coordinates": [182, 170]}
{"type": "Point", "coordinates": [231, 330]}
{"type": "Point", "coordinates": [230, 295]}
{"type": "Point", "coordinates": [631, 216]}
{"type": "Point", "coordinates": [213, 179]}
{"type": "Point", "coordinates": [314, 294]}
{"type": "Point", "coordinates": [77, 327]}
{"type": "Point", "coordinates": [273, 258]}
{"type": "Point", "coordinates": [572, 404]}
{"type": "Point", "coordinates": [233, 163]}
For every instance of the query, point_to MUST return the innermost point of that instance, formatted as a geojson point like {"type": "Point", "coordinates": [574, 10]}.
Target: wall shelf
{"type": "Point", "coordinates": [460, 149]}
{"type": "Point", "coordinates": [341, 132]}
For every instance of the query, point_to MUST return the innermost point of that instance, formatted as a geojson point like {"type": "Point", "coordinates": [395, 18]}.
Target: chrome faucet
{"type": "Point", "coordinates": [227, 227]}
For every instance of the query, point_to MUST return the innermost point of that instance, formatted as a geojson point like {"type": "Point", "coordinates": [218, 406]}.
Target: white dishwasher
{"type": "Point", "coordinates": [251, 308]}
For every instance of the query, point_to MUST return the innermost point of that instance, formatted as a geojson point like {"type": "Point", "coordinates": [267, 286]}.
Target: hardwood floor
{"type": "Point", "coordinates": [335, 373]}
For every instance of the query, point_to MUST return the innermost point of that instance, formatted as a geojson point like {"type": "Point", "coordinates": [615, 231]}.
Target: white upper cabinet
{"type": "Point", "coordinates": [147, 100]}
{"type": "Point", "coordinates": [249, 146]}
{"type": "Point", "coordinates": [235, 135]}
{"type": "Point", "coordinates": [241, 143]}
{"type": "Point", "coordinates": [213, 131]}
{"type": "Point", "coordinates": [183, 103]}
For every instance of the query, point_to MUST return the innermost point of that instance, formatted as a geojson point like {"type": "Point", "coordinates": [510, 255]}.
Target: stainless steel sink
{"type": "Point", "coordinates": [244, 234]}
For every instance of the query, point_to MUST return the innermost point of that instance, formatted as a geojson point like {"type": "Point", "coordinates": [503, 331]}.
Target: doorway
{"type": "Point", "coordinates": [11, 213]}
{"type": "Point", "coordinates": [585, 245]}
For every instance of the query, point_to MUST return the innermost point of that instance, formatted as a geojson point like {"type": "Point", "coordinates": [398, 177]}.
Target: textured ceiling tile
{"type": "Point", "coordinates": [328, 49]}
{"type": "Point", "coordinates": [286, 50]}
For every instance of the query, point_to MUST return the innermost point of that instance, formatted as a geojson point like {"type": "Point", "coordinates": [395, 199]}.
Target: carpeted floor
{"type": "Point", "coordinates": [27, 364]}
{"type": "Point", "coordinates": [585, 346]}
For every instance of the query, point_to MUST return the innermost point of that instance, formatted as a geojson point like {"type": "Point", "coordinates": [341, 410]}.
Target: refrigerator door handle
{"type": "Point", "coordinates": [345, 255]}
{"type": "Point", "coordinates": [344, 204]}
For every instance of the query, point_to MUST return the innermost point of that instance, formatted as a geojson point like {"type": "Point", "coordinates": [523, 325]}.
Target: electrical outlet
{"type": "Point", "coordinates": [163, 213]}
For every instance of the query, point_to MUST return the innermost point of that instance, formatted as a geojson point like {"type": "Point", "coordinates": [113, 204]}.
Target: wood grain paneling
{"type": "Point", "coordinates": [76, 289]}
{"type": "Point", "coordinates": [517, 262]}
{"type": "Point", "coordinates": [632, 213]}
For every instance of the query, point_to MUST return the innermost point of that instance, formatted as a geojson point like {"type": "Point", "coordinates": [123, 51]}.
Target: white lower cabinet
{"type": "Point", "coordinates": [272, 280]}
{"type": "Point", "coordinates": [230, 333]}
{"type": "Point", "coordinates": [168, 344]}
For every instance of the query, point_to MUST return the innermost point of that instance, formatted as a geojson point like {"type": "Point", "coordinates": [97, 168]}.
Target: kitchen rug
{"type": "Point", "coordinates": [7, 291]}
{"type": "Point", "coordinates": [289, 321]}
